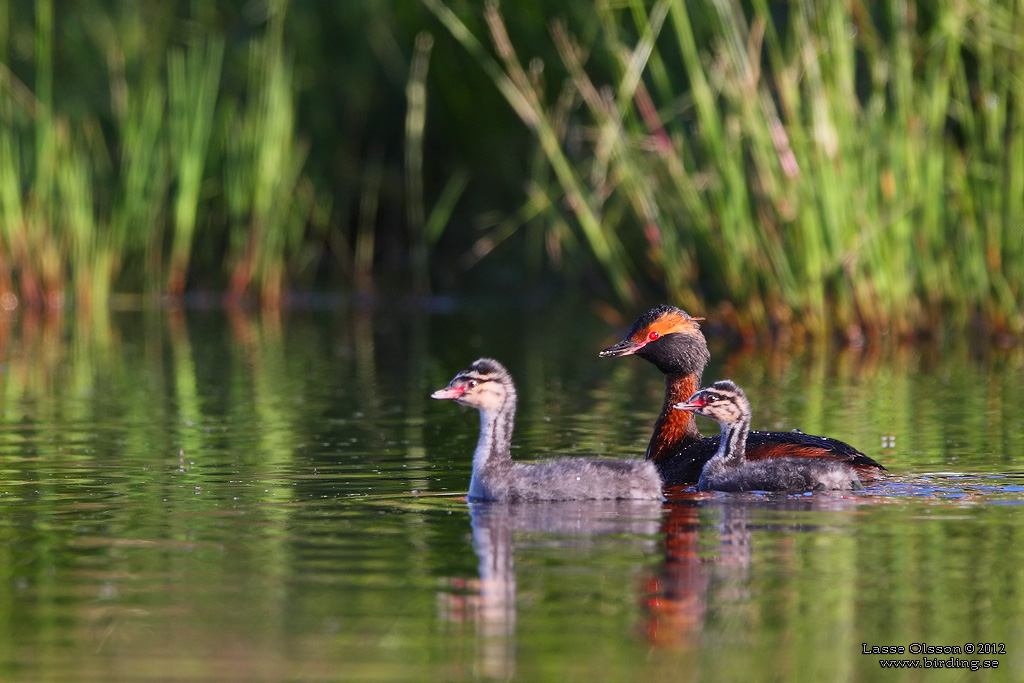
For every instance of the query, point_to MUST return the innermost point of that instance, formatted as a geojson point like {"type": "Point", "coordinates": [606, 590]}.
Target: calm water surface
{"type": "Point", "coordinates": [204, 496]}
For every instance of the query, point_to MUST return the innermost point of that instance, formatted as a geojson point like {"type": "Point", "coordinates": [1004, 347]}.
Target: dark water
{"type": "Point", "coordinates": [218, 497]}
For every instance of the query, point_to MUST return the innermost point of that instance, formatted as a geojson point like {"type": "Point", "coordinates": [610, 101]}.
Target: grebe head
{"type": "Point", "coordinates": [669, 338]}
{"type": "Point", "coordinates": [723, 402]}
{"type": "Point", "coordinates": [485, 384]}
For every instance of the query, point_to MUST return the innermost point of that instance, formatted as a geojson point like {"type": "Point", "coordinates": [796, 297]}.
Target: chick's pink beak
{"type": "Point", "coordinates": [689, 405]}
{"type": "Point", "coordinates": [449, 392]}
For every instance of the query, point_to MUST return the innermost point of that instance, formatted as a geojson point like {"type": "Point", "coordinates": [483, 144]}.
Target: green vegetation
{"type": "Point", "coordinates": [847, 166]}
{"type": "Point", "coordinates": [172, 173]}
{"type": "Point", "coordinates": [830, 165]}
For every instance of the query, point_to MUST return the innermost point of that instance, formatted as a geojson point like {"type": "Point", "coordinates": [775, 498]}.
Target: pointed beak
{"type": "Point", "coordinates": [449, 392]}
{"type": "Point", "coordinates": [623, 348]}
{"type": "Point", "coordinates": [689, 406]}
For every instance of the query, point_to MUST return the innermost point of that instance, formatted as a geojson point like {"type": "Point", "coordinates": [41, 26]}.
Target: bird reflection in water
{"type": "Point", "coordinates": [707, 557]}
{"type": "Point", "coordinates": [706, 541]}
{"type": "Point", "coordinates": [493, 605]}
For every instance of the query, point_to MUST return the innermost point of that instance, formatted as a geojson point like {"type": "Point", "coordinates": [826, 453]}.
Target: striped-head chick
{"type": "Point", "coordinates": [485, 385]}
{"type": "Point", "coordinates": [723, 402]}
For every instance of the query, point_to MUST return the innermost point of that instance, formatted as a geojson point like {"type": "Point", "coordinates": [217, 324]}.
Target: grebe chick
{"type": "Point", "coordinates": [672, 341]}
{"type": "Point", "coordinates": [487, 386]}
{"type": "Point", "coordinates": [729, 469]}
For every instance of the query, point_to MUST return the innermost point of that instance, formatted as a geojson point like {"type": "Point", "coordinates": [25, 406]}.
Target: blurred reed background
{"type": "Point", "coordinates": [854, 167]}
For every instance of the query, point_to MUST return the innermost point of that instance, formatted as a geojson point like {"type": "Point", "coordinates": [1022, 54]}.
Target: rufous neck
{"type": "Point", "coordinates": [674, 428]}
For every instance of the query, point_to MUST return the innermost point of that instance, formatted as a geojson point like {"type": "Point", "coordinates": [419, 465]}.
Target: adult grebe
{"type": "Point", "coordinates": [729, 470]}
{"type": "Point", "coordinates": [487, 386]}
{"type": "Point", "coordinates": [671, 339]}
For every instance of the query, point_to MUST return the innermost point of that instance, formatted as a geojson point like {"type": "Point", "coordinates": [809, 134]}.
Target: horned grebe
{"type": "Point", "coordinates": [729, 470]}
{"type": "Point", "coordinates": [487, 386]}
{"type": "Point", "coordinates": [670, 339]}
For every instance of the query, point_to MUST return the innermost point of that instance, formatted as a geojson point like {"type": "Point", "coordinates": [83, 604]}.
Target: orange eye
{"type": "Point", "coordinates": [652, 336]}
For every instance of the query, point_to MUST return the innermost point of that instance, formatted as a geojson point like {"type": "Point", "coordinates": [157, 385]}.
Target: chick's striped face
{"type": "Point", "coordinates": [475, 387]}
{"type": "Point", "coordinates": [723, 402]}
{"type": "Point", "coordinates": [719, 408]}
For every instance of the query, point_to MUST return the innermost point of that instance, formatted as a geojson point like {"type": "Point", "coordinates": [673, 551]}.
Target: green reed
{"type": "Point", "coordinates": [267, 208]}
{"type": "Point", "coordinates": [94, 202]}
{"type": "Point", "coordinates": [844, 166]}
{"type": "Point", "coordinates": [192, 80]}
{"type": "Point", "coordinates": [829, 166]}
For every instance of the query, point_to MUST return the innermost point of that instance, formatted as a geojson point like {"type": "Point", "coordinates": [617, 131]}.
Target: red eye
{"type": "Point", "coordinates": [652, 336]}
